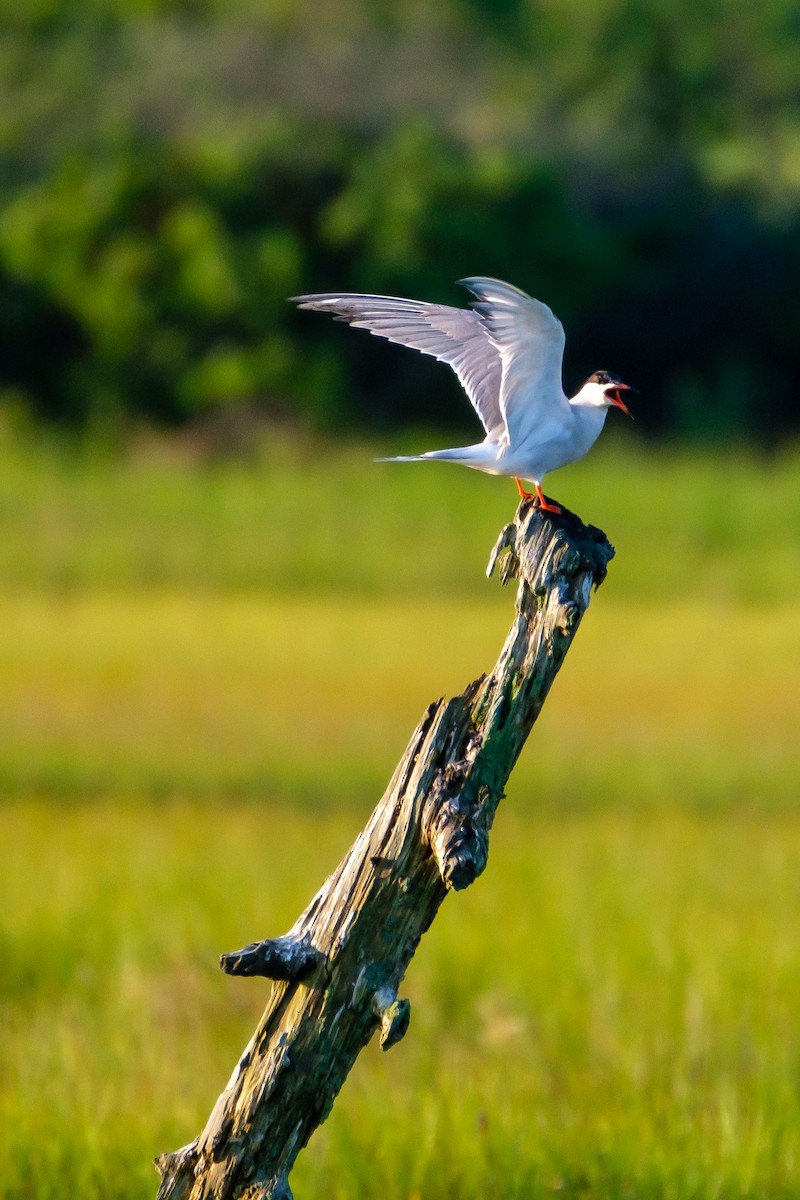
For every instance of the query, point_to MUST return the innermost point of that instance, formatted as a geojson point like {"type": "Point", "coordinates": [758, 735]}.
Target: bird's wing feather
{"type": "Point", "coordinates": [530, 341]}
{"type": "Point", "coordinates": [459, 337]}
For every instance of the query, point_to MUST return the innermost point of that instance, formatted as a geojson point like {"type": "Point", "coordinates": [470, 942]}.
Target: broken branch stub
{"type": "Point", "coordinates": [337, 971]}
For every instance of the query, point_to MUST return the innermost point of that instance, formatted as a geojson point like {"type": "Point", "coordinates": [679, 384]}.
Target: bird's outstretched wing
{"type": "Point", "coordinates": [530, 341]}
{"type": "Point", "coordinates": [457, 336]}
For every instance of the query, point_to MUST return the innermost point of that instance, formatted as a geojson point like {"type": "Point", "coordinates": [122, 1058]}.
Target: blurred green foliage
{"type": "Point", "coordinates": [173, 169]}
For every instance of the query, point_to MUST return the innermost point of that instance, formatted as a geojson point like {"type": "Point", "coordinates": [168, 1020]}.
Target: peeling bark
{"type": "Point", "coordinates": [337, 971]}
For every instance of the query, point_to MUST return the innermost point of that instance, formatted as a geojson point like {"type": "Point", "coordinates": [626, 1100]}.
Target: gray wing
{"type": "Point", "coordinates": [456, 336]}
{"type": "Point", "coordinates": [530, 341]}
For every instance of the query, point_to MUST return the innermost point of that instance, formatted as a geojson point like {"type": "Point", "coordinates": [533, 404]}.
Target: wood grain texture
{"type": "Point", "coordinates": [337, 972]}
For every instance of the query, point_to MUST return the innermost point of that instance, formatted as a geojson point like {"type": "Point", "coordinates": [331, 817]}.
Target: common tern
{"type": "Point", "coordinates": [507, 351]}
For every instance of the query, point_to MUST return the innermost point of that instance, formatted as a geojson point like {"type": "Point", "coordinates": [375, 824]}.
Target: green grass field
{"type": "Point", "coordinates": [208, 673]}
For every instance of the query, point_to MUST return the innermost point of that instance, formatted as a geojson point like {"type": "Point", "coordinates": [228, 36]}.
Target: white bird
{"type": "Point", "coordinates": [507, 351]}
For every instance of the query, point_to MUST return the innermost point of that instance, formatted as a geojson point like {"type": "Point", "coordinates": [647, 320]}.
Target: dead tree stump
{"type": "Point", "coordinates": [337, 971]}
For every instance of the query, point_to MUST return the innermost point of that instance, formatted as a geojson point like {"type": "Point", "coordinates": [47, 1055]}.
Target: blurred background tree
{"type": "Point", "coordinates": [173, 169]}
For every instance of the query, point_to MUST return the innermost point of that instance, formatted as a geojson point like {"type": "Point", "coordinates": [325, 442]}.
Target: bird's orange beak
{"type": "Point", "coordinates": [614, 396]}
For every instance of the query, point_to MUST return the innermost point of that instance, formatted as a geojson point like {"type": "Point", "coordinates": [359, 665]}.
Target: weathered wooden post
{"type": "Point", "coordinates": [338, 969]}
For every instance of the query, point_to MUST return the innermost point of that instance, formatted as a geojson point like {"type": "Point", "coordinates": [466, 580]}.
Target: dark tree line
{"type": "Point", "coordinates": [172, 171]}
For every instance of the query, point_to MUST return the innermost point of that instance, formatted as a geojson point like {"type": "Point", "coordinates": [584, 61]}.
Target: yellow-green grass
{"type": "Point", "coordinates": [610, 1011]}
{"type": "Point", "coordinates": [207, 674]}
{"type": "Point", "coordinates": [168, 694]}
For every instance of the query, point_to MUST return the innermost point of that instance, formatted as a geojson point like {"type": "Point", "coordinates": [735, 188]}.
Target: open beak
{"type": "Point", "coordinates": [614, 396]}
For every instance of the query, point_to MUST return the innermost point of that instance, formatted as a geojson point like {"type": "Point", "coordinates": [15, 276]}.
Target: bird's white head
{"type": "Point", "coordinates": [602, 390]}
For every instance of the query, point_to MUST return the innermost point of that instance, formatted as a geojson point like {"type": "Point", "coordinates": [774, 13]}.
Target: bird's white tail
{"type": "Point", "coordinates": [467, 455]}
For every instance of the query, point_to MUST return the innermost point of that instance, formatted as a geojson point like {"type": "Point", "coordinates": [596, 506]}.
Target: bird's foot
{"type": "Point", "coordinates": [544, 504]}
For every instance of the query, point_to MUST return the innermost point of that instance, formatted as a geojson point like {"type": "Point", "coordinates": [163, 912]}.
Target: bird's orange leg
{"type": "Point", "coordinates": [544, 504]}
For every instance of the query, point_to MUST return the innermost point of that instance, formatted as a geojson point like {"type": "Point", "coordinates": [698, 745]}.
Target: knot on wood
{"type": "Point", "coordinates": [393, 1014]}
{"type": "Point", "coordinates": [376, 987]}
{"type": "Point", "coordinates": [286, 958]}
{"type": "Point", "coordinates": [459, 839]}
